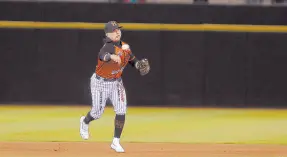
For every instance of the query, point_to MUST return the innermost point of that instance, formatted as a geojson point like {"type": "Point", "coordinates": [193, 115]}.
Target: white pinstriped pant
{"type": "Point", "coordinates": [102, 90]}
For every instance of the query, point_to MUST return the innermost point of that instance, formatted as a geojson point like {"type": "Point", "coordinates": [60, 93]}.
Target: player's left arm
{"type": "Point", "coordinates": [133, 60]}
{"type": "Point", "coordinates": [142, 65]}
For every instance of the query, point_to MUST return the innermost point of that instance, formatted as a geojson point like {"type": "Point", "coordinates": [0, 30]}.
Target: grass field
{"type": "Point", "coordinates": [51, 123]}
{"type": "Point", "coordinates": [148, 125]}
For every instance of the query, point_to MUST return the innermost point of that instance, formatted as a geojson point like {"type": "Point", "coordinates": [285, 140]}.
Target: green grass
{"type": "Point", "coordinates": [252, 126]}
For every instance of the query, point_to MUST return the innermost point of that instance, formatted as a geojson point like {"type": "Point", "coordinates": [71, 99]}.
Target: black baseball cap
{"type": "Point", "coordinates": [111, 26]}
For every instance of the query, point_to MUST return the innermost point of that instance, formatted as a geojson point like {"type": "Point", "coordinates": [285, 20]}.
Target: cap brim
{"type": "Point", "coordinates": [118, 27]}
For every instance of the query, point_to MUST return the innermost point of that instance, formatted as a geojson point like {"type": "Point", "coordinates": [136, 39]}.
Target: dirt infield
{"type": "Point", "coordinates": [91, 149]}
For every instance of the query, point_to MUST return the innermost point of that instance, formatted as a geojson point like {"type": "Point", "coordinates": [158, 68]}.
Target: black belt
{"type": "Point", "coordinates": [108, 80]}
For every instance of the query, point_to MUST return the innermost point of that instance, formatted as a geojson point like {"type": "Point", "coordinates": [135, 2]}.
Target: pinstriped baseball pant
{"type": "Point", "coordinates": [102, 90]}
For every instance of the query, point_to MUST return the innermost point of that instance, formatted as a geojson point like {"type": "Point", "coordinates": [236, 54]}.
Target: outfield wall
{"type": "Point", "coordinates": [233, 65]}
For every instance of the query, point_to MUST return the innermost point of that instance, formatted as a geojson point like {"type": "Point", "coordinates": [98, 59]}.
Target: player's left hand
{"type": "Point", "coordinates": [143, 66]}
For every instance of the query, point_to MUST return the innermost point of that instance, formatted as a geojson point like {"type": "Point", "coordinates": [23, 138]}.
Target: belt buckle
{"type": "Point", "coordinates": [107, 79]}
{"type": "Point", "coordinates": [112, 79]}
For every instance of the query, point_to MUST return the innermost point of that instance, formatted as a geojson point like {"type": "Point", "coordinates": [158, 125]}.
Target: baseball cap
{"type": "Point", "coordinates": [111, 26]}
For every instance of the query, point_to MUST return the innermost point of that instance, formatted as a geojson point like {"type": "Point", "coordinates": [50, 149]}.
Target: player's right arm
{"type": "Point", "coordinates": [107, 53]}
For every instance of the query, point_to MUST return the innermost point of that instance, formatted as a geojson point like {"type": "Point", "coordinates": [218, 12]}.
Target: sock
{"type": "Point", "coordinates": [119, 125]}
{"type": "Point", "coordinates": [88, 118]}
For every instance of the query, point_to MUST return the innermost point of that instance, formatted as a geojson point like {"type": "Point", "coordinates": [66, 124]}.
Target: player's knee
{"type": "Point", "coordinates": [96, 116]}
{"type": "Point", "coordinates": [96, 113]}
{"type": "Point", "coordinates": [120, 111]}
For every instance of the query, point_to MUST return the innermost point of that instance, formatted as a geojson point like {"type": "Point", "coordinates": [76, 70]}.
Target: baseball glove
{"type": "Point", "coordinates": [143, 66]}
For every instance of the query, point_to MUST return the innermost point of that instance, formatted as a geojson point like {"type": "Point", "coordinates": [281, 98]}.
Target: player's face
{"type": "Point", "coordinates": [117, 34]}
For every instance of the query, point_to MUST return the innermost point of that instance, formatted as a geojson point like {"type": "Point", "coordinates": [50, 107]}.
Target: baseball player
{"type": "Point", "coordinates": [106, 82]}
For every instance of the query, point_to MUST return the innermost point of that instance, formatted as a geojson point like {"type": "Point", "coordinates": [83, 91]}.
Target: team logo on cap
{"type": "Point", "coordinates": [114, 23]}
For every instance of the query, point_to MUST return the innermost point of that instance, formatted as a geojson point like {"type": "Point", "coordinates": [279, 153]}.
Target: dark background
{"type": "Point", "coordinates": [187, 68]}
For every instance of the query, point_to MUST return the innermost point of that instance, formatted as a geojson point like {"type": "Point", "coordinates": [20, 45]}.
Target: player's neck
{"type": "Point", "coordinates": [108, 39]}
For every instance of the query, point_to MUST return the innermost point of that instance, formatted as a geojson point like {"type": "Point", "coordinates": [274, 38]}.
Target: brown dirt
{"type": "Point", "coordinates": [92, 149]}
